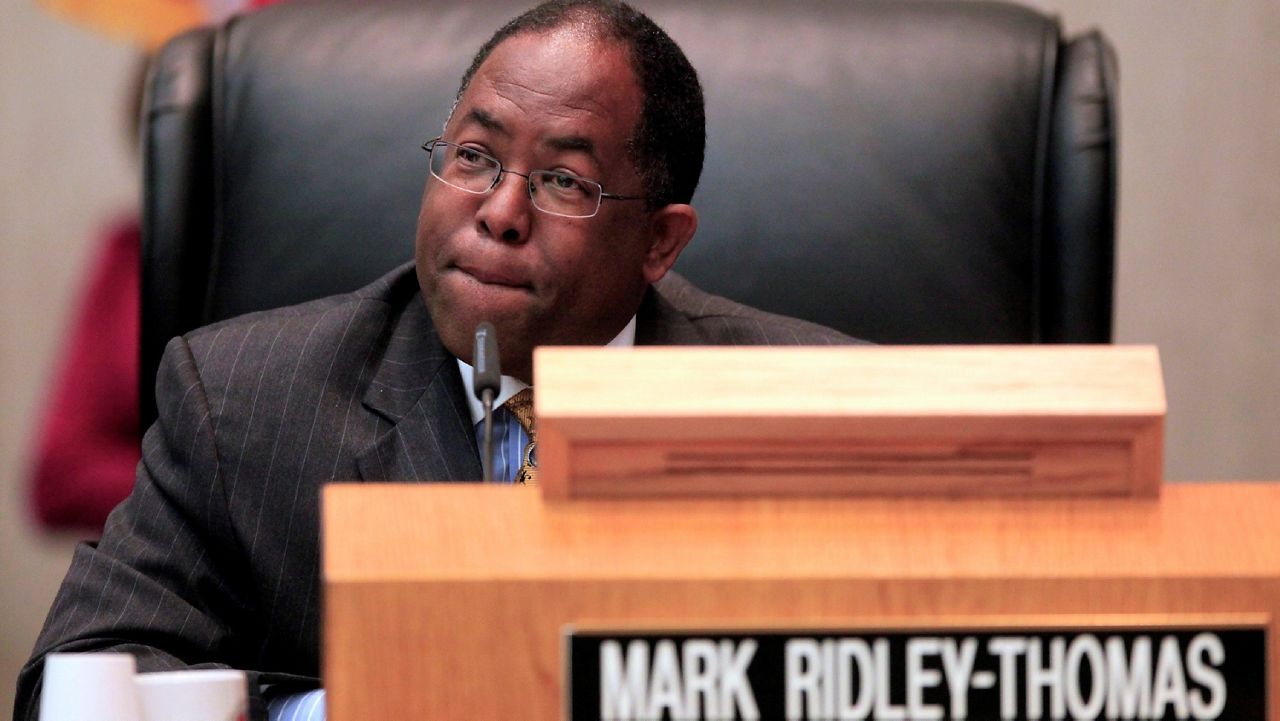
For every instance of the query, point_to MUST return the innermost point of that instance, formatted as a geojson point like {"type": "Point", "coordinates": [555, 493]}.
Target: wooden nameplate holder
{"type": "Point", "coordinates": [462, 602]}
{"type": "Point", "coordinates": [453, 602]}
{"type": "Point", "coordinates": [1048, 420]}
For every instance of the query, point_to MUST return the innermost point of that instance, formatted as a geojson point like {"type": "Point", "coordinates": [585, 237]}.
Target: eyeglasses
{"type": "Point", "coordinates": [554, 192]}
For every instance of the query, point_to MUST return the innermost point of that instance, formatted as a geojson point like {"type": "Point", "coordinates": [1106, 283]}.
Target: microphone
{"type": "Point", "coordinates": [486, 379]}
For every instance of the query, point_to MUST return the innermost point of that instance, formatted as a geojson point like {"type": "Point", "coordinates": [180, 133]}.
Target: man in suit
{"type": "Point", "coordinates": [556, 205]}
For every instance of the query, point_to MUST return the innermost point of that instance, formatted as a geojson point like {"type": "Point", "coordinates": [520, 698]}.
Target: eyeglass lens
{"type": "Point", "coordinates": [551, 192]}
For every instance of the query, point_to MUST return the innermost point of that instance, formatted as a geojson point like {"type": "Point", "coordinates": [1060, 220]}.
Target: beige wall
{"type": "Point", "coordinates": [1199, 232]}
{"type": "Point", "coordinates": [64, 169]}
{"type": "Point", "coordinates": [1199, 224]}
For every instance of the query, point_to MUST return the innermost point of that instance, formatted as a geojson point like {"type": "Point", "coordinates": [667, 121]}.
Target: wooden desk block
{"type": "Point", "coordinates": [1042, 420]}
{"type": "Point", "coordinates": [449, 601]}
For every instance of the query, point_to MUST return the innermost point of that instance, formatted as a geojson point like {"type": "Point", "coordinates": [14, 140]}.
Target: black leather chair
{"type": "Point", "coordinates": [905, 171]}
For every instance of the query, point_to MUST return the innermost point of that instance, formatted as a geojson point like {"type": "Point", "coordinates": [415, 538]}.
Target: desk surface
{"type": "Point", "coordinates": [488, 577]}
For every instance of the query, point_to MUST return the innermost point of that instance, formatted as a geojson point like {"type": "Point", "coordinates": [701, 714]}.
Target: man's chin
{"type": "Point", "coordinates": [456, 320]}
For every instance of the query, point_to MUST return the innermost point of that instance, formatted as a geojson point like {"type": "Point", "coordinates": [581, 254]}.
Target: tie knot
{"type": "Point", "coordinates": [521, 406]}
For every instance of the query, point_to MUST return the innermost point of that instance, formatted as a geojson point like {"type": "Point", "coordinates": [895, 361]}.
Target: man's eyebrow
{"type": "Point", "coordinates": [575, 143]}
{"type": "Point", "coordinates": [486, 121]}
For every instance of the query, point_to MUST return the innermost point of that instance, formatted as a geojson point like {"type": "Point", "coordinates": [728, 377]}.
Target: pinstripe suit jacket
{"type": "Point", "coordinates": [213, 560]}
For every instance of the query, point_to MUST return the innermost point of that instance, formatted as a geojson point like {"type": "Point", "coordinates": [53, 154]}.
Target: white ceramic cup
{"type": "Point", "coordinates": [89, 687]}
{"type": "Point", "coordinates": [214, 695]}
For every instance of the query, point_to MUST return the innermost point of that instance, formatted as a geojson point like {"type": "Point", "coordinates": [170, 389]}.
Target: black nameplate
{"type": "Point", "coordinates": [1076, 674]}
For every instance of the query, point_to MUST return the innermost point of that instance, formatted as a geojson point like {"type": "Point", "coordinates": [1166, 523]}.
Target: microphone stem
{"type": "Point", "coordinates": [487, 461]}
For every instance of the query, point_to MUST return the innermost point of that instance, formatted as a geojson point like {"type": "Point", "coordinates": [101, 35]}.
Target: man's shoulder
{"type": "Point", "coordinates": [679, 313]}
{"type": "Point", "coordinates": [326, 341]}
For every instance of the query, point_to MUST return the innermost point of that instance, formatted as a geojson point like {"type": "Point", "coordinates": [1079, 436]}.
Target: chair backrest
{"type": "Point", "coordinates": [905, 171]}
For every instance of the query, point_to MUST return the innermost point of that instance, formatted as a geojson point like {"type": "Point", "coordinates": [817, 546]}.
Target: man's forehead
{"type": "Point", "coordinates": [565, 71]}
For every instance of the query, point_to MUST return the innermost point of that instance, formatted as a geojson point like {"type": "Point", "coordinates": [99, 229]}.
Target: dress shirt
{"type": "Point", "coordinates": [509, 437]}
{"type": "Point", "coordinates": [511, 386]}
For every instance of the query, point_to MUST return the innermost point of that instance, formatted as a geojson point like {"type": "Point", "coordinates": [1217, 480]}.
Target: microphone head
{"type": "Point", "coordinates": [486, 374]}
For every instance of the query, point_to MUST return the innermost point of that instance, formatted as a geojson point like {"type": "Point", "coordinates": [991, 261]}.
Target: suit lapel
{"type": "Point", "coordinates": [418, 394]}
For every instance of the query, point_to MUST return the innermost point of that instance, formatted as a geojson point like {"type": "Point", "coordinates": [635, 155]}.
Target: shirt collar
{"type": "Point", "coordinates": [511, 386]}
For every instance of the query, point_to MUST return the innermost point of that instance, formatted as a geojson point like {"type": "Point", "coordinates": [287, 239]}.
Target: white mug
{"type": "Point", "coordinates": [89, 687]}
{"type": "Point", "coordinates": [213, 695]}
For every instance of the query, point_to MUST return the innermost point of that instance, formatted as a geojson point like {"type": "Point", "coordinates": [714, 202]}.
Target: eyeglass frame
{"type": "Point", "coordinates": [431, 145]}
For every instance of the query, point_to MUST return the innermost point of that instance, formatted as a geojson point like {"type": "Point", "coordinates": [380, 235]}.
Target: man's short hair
{"type": "Point", "coordinates": [670, 139]}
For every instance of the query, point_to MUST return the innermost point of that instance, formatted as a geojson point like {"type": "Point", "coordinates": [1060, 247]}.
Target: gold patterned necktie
{"type": "Point", "coordinates": [521, 406]}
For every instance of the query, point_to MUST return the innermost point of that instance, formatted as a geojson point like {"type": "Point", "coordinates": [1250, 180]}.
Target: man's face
{"type": "Point", "coordinates": [541, 101]}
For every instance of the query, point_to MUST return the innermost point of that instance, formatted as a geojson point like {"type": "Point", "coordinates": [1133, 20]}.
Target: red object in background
{"type": "Point", "coordinates": [89, 444]}
{"type": "Point", "coordinates": [88, 449]}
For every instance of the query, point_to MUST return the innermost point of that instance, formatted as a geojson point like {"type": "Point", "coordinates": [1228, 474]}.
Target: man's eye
{"type": "Point", "coordinates": [470, 157]}
{"type": "Point", "coordinates": [562, 183]}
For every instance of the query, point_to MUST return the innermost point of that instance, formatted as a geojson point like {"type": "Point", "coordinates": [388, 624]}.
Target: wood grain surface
{"type": "Point", "coordinates": [450, 601]}
{"type": "Point", "coordinates": [1062, 420]}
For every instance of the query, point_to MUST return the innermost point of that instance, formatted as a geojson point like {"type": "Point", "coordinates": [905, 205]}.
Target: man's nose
{"type": "Point", "coordinates": [506, 212]}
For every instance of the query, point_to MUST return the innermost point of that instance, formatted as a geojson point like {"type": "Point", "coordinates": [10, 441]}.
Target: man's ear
{"type": "Point", "coordinates": [670, 229]}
